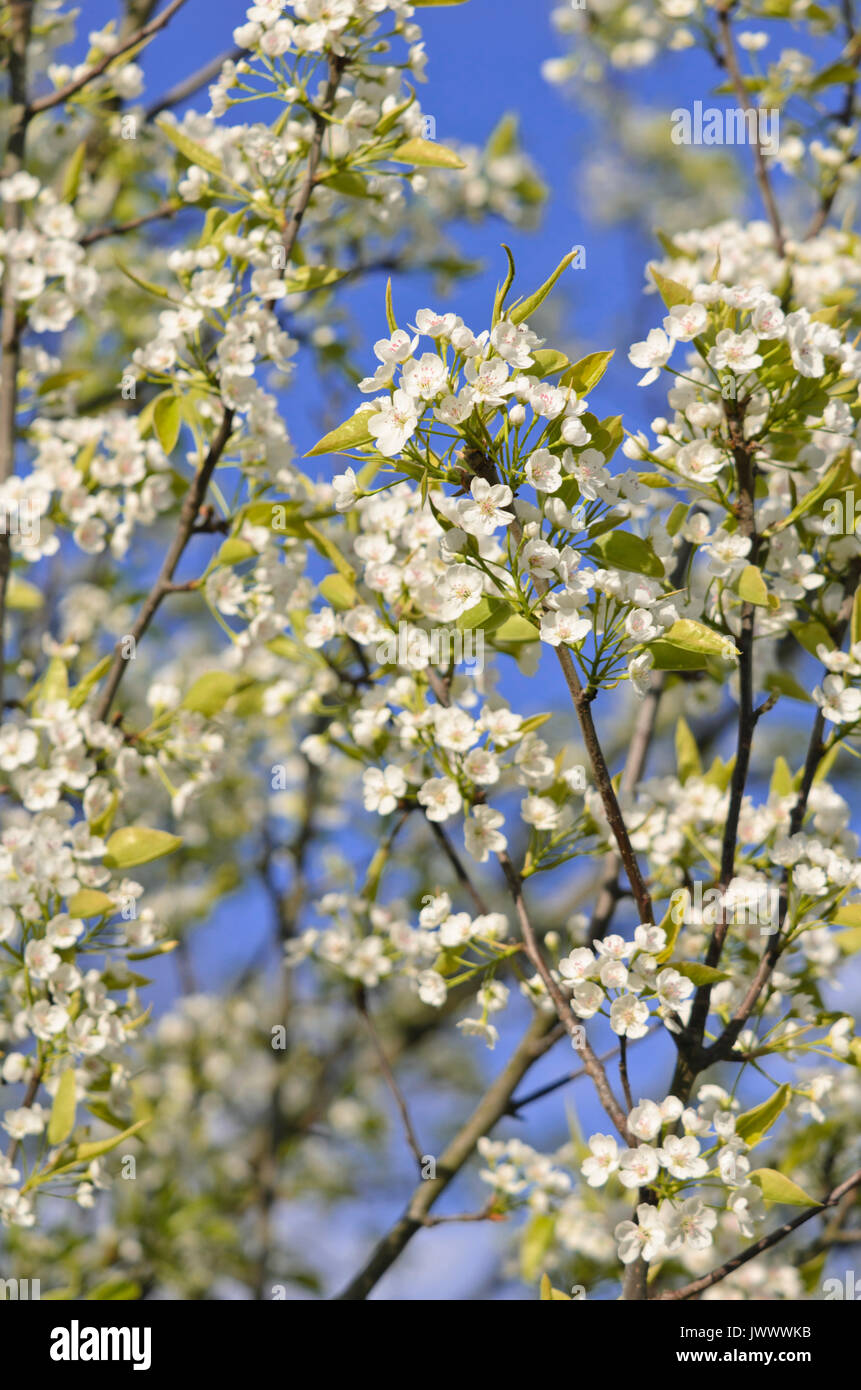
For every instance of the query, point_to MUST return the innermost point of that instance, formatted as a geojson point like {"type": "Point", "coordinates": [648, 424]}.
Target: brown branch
{"type": "Point", "coordinates": [29, 1097]}
{"type": "Point", "coordinates": [20, 17]}
{"type": "Point", "coordinates": [563, 1009]}
{"type": "Point", "coordinates": [164, 583]}
{"type": "Point", "coordinates": [457, 864]}
{"type": "Point", "coordinates": [51, 99]}
{"type": "Point", "coordinates": [291, 231]}
{"type": "Point", "coordinates": [539, 1037]}
{"type": "Point", "coordinates": [699, 1285]}
{"type": "Point", "coordinates": [390, 1078]}
{"type": "Point", "coordinates": [169, 209]}
{"type": "Point", "coordinates": [729, 59]}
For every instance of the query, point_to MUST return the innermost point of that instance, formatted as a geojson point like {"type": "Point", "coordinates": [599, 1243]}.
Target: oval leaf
{"type": "Point", "coordinates": [62, 1120]}
{"type": "Point", "coordinates": [137, 844]}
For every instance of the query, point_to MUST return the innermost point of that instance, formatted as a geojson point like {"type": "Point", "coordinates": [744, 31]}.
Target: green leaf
{"type": "Point", "coordinates": [855, 625]}
{"type": "Point", "coordinates": [337, 590]}
{"type": "Point", "coordinates": [234, 550]}
{"type": "Point", "coordinates": [189, 149]}
{"type": "Point", "coordinates": [502, 290]}
{"type": "Point", "coordinates": [115, 1289]}
{"type": "Point", "coordinates": [72, 176]}
{"type": "Point", "coordinates": [89, 902]}
{"type": "Point", "coordinates": [95, 1148]}
{"type": "Point", "coordinates": [137, 844]}
{"type": "Point", "coordinates": [167, 421]}
{"type": "Point", "coordinates": [834, 75]}
{"type": "Point", "coordinates": [720, 773]}
{"type": "Point", "coordinates": [349, 181]}
{"type": "Point", "coordinates": [426, 154]}
{"type": "Point", "coordinates": [547, 1293]}
{"type": "Point", "coordinates": [836, 474]}
{"type": "Point", "coordinates": [351, 435]}
{"type": "Point", "coordinates": [22, 596]}
{"type": "Point", "coordinates": [531, 303]}
{"type": "Point", "coordinates": [812, 635]}
{"type": "Point", "coordinates": [781, 778]}
{"type": "Point", "coordinates": [782, 683]}
{"type": "Point", "coordinates": [777, 1188]}
{"type": "Point", "coordinates": [586, 373]}
{"type": "Point", "coordinates": [671, 291]}
{"type": "Point", "coordinates": [687, 753]}
{"type": "Point", "coordinates": [696, 637]}
{"type": "Point", "coordinates": [62, 1120]}
{"type": "Point", "coordinates": [163, 948]}
{"type": "Point", "coordinates": [312, 277]}
{"type": "Point", "coordinates": [390, 309]}
{"type": "Point", "coordinates": [210, 693]}
{"type": "Point", "coordinates": [751, 588]}
{"type": "Point", "coordinates": [516, 629]}
{"type": "Point", "coordinates": [754, 1124]}
{"type": "Point", "coordinates": [668, 657]}
{"type": "Point", "coordinates": [547, 362]}
{"type": "Point", "coordinates": [537, 1240]}
{"type": "Point", "coordinates": [625, 551]}
{"type": "Point", "coordinates": [488, 614]}
{"type": "Point", "coordinates": [87, 682]}
{"type": "Point", "coordinates": [847, 916]}
{"type": "Point", "coordinates": [699, 974]}
{"type": "Point", "coordinates": [148, 285]}
{"type": "Point", "coordinates": [426, 4]}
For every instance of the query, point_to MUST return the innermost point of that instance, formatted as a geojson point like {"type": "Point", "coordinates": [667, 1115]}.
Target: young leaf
{"type": "Point", "coordinates": [89, 902]}
{"type": "Point", "coordinates": [754, 1124]}
{"type": "Point", "coordinates": [625, 551]}
{"type": "Point", "coordinates": [137, 844]}
{"type": "Point", "coordinates": [426, 154]}
{"type": "Point", "coordinates": [210, 693]}
{"type": "Point", "coordinates": [531, 303]}
{"type": "Point", "coordinates": [586, 373]}
{"type": "Point", "coordinates": [687, 753]}
{"type": "Point", "coordinates": [62, 1120]}
{"type": "Point", "coordinates": [777, 1188]}
{"type": "Point", "coordinates": [167, 420]}
{"type": "Point", "coordinates": [751, 587]}
{"type": "Point", "coordinates": [351, 435]}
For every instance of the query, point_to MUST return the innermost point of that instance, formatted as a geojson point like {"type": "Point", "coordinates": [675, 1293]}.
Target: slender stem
{"type": "Point", "coordinates": [162, 586]}
{"type": "Point", "coordinates": [20, 18]}
{"type": "Point", "coordinates": [52, 99]}
{"type": "Point", "coordinates": [390, 1078]}
{"type": "Point", "coordinates": [538, 1038]}
{"type": "Point", "coordinates": [729, 59]}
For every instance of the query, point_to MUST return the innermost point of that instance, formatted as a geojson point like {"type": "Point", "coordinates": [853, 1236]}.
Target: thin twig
{"type": "Point", "coordinates": [699, 1285]}
{"type": "Point", "coordinates": [163, 584]}
{"type": "Point", "coordinates": [51, 99]}
{"type": "Point", "coordinates": [390, 1078]}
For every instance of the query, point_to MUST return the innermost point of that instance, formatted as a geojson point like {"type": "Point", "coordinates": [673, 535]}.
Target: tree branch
{"type": "Point", "coordinates": [699, 1285]}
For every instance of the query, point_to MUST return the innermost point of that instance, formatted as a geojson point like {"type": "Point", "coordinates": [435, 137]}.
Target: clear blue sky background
{"type": "Point", "coordinates": [484, 59]}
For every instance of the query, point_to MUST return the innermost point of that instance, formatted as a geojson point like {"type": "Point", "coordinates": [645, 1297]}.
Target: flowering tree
{"type": "Point", "coordinates": [299, 677]}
